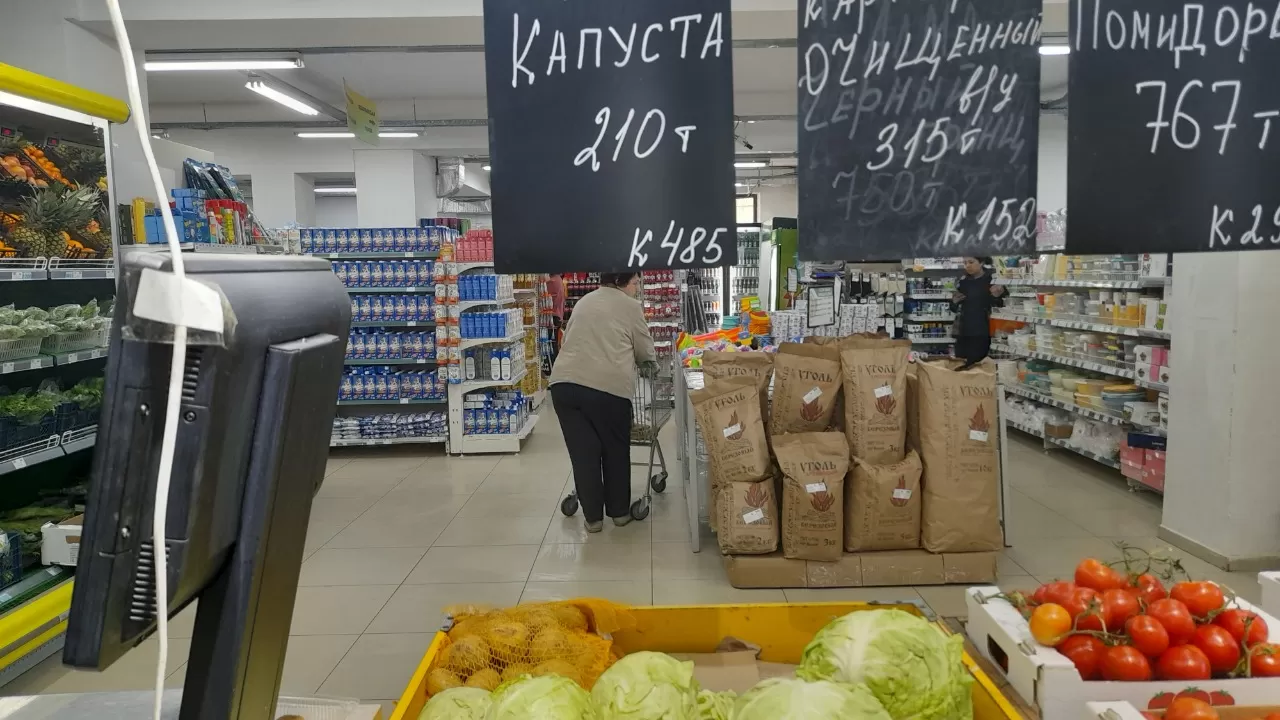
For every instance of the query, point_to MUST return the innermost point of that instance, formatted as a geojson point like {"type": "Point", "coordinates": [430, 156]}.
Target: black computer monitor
{"type": "Point", "coordinates": [257, 413]}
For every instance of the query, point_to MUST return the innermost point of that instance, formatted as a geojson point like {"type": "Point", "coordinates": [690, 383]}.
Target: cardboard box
{"type": "Point", "coordinates": [1047, 679]}
{"type": "Point", "coordinates": [1128, 711]}
{"type": "Point", "coordinates": [61, 542]}
{"type": "Point", "coordinates": [1270, 582]}
{"type": "Point", "coordinates": [869, 569]}
{"type": "Point", "coordinates": [1153, 479]}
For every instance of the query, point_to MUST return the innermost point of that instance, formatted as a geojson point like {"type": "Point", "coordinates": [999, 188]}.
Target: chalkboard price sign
{"type": "Point", "coordinates": [919, 125]}
{"type": "Point", "coordinates": [1174, 138]}
{"type": "Point", "coordinates": [611, 134]}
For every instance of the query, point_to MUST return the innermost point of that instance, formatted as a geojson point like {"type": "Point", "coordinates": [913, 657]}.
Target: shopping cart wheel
{"type": "Point", "coordinates": [640, 509]}
{"type": "Point", "coordinates": [659, 482]}
{"type": "Point", "coordinates": [569, 505]}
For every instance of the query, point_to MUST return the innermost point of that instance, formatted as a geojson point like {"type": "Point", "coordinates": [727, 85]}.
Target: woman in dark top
{"type": "Point", "coordinates": [972, 302]}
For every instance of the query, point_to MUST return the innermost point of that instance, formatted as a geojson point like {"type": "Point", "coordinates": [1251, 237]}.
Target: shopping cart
{"type": "Point", "coordinates": [651, 407]}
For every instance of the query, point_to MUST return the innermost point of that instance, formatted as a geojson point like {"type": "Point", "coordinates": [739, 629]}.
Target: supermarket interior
{"type": "Point", "coordinates": [905, 439]}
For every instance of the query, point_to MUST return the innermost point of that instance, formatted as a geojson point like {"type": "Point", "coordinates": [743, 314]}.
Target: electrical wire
{"type": "Point", "coordinates": [173, 403]}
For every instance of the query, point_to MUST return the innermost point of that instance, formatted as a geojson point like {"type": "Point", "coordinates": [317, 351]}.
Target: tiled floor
{"type": "Point", "coordinates": [397, 536]}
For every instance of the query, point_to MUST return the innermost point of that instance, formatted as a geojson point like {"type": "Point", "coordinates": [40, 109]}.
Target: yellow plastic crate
{"type": "Point", "coordinates": [781, 630]}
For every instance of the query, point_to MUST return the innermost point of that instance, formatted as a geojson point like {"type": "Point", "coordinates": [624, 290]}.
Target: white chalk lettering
{"type": "Point", "coordinates": [662, 128]}
{"type": "Point", "coordinates": [1019, 33]}
{"type": "Point", "coordinates": [1228, 13]}
{"type": "Point", "coordinates": [839, 46]}
{"type": "Point", "coordinates": [1216, 236]}
{"type": "Point", "coordinates": [875, 65]}
{"type": "Point", "coordinates": [978, 44]}
{"type": "Point", "coordinates": [695, 239]}
{"type": "Point", "coordinates": [1266, 116]}
{"type": "Point", "coordinates": [686, 20]}
{"type": "Point", "coordinates": [714, 244]}
{"type": "Point", "coordinates": [813, 11]}
{"type": "Point", "coordinates": [1250, 236]}
{"type": "Point", "coordinates": [939, 135]}
{"type": "Point", "coordinates": [715, 36]}
{"type": "Point", "coordinates": [1008, 83]}
{"type": "Point", "coordinates": [1275, 23]}
{"type": "Point", "coordinates": [1141, 30]}
{"type": "Point", "coordinates": [812, 84]}
{"type": "Point", "coordinates": [1251, 28]}
{"type": "Point", "coordinates": [602, 119]}
{"type": "Point", "coordinates": [887, 135]}
{"type": "Point", "coordinates": [644, 44]}
{"type": "Point", "coordinates": [518, 57]}
{"type": "Point", "coordinates": [1226, 127]}
{"type": "Point", "coordinates": [638, 258]}
{"type": "Point", "coordinates": [684, 131]}
{"type": "Point", "coordinates": [558, 52]}
{"type": "Point", "coordinates": [958, 44]}
{"type": "Point", "coordinates": [1159, 123]}
{"type": "Point", "coordinates": [627, 46]}
{"type": "Point", "coordinates": [622, 134]}
{"type": "Point", "coordinates": [1191, 41]}
{"type": "Point", "coordinates": [1097, 19]}
{"type": "Point", "coordinates": [1178, 115]}
{"type": "Point", "coordinates": [582, 44]}
{"type": "Point", "coordinates": [1001, 38]}
{"type": "Point", "coordinates": [953, 231]}
{"type": "Point", "coordinates": [973, 90]}
{"type": "Point", "coordinates": [1115, 38]}
{"type": "Point", "coordinates": [675, 246]}
{"type": "Point", "coordinates": [1166, 34]}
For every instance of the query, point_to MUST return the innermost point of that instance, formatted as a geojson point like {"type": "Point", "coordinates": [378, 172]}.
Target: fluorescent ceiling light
{"type": "Point", "coordinates": [335, 191]}
{"type": "Point", "coordinates": [288, 101]}
{"type": "Point", "coordinates": [750, 164]}
{"type": "Point", "coordinates": [49, 109]}
{"type": "Point", "coordinates": [1055, 49]}
{"type": "Point", "coordinates": [339, 134]}
{"type": "Point", "coordinates": [486, 168]}
{"type": "Point", "coordinates": [740, 185]}
{"type": "Point", "coordinates": [198, 65]}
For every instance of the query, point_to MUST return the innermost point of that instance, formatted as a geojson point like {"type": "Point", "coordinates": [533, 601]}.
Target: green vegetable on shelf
{"type": "Point", "coordinates": [647, 686]}
{"type": "Point", "coordinates": [464, 703]}
{"type": "Point", "coordinates": [548, 697]}
{"type": "Point", "coordinates": [792, 699]}
{"type": "Point", "coordinates": [29, 408]}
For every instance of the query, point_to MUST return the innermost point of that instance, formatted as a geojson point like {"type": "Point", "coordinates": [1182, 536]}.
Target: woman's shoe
{"type": "Point", "coordinates": [622, 521]}
{"type": "Point", "coordinates": [595, 527]}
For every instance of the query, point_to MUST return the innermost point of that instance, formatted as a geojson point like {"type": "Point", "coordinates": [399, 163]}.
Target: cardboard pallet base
{"type": "Point", "coordinates": [871, 569]}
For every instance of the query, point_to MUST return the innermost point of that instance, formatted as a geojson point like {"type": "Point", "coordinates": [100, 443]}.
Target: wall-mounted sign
{"type": "Point", "coordinates": [610, 134]}
{"type": "Point", "coordinates": [919, 125]}
{"type": "Point", "coordinates": [362, 115]}
{"type": "Point", "coordinates": [1174, 138]}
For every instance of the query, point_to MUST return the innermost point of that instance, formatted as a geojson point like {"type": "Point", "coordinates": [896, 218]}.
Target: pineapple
{"type": "Point", "coordinates": [46, 214]}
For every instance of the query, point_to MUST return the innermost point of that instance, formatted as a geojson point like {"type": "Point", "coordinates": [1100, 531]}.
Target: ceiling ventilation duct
{"type": "Point", "coordinates": [455, 206]}
{"type": "Point", "coordinates": [454, 179]}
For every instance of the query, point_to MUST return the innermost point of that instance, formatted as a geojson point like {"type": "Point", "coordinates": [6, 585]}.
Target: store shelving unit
{"type": "Point", "coordinates": [35, 608]}
{"type": "Point", "coordinates": [1103, 279]}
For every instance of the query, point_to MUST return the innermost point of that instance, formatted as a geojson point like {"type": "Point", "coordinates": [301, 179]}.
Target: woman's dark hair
{"type": "Point", "coordinates": [616, 280]}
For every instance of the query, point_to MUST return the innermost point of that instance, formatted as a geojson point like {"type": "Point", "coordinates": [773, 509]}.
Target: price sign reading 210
{"type": "Point", "coordinates": [620, 114]}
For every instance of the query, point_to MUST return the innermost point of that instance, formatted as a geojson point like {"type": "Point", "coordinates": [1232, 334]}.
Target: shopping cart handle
{"type": "Point", "coordinates": [648, 368]}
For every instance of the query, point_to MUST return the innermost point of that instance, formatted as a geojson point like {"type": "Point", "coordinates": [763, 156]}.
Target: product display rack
{"type": "Point", "coordinates": [744, 278]}
{"type": "Point", "coordinates": [382, 414]}
{"type": "Point", "coordinates": [1108, 303]}
{"type": "Point", "coordinates": [35, 608]}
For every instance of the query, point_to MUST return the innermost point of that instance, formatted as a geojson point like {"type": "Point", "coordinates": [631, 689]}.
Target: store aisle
{"type": "Point", "coordinates": [396, 536]}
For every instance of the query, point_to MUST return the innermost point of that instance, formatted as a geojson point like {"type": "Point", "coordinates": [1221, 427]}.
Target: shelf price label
{"type": "Point", "coordinates": [919, 125]}
{"type": "Point", "coordinates": [622, 112]}
{"type": "Point", "coordinates": [1184, 93]}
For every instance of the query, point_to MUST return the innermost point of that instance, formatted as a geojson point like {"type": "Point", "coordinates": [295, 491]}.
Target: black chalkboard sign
{"type": "Point", "coordinates": [611, 134]}
{"type": "Point", "coordinates": [1174, 136]}
{"type": "Point", "coordinates": [919, 125]}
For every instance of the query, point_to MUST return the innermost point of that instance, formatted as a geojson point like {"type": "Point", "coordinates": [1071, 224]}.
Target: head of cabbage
{"type": "Point", "coordinates": [463, 703]}
{"type": "Point", "coordinates": [716, 705]}
{"type": "Point", "coordinates": [647, 686]}
{"type": "Point", "coordinates": [548, 697]}
{"type": "Point", "coordinates": [911, 667]}
{"type": "Point", "coordinates": [792, 699]}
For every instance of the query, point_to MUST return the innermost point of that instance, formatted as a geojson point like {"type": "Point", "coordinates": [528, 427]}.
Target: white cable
{"type": "Point", "coordinates": [174, 402]}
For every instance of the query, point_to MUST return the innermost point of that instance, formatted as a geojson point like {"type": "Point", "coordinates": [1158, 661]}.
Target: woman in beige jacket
{"type": "Point", "coordinates": [591, 387]}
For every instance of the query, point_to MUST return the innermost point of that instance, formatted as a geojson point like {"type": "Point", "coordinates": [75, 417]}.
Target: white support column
{"type": "Point", "coordinates": [304, 201]}
{"type": "Point", "coordinates": [385, 188]}
{"type": "Point", "coordinates": [1222, 497]}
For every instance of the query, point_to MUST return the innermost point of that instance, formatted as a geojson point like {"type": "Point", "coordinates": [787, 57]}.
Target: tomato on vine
{"type": "Point", "coordinates": [1234, 621]}
{"type": "Point", "coordinates": [1149, 588]}
{"type": "Point", "coordinates": [1190, 709]}
{"type": "Point", "coordinates": [1184, 662]}
{"type": "Point", "coordinates": [1264, 660]}
{"type": "Point", "coordinates": [1125, 663]}
{"type": "Point", "coordinates": [1050, 623]}
{"type": "Point", "coordinates": [1117, 607]}
{"type": "Point", "coordinates": [1147, 635]}
{"type": "Point", "coordinates": [1217, 644]}
{"type": "Point", "coordinates": [1085, 652]}
{"type": "Point", "coordinates": [1200, 597]}
{"type": "Point", "coordinates": [1175, 618]}
{"type": "Point", "coordinates": [1097, 575]}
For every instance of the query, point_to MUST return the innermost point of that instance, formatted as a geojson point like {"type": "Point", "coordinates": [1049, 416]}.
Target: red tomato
{"type": "Point", "coordinates": [1086, 652]}
{"type": "Point", "coordinates": [1264, 660]}
{"type": "Point", "coordinates": [1184, 662]}
{"type": "Point", "coordinates": [1175, 618]}
{"type": "Point", "coordinates": [1097, 575]}
{"type": "Point", "coordinates": [1149, 588]}
{"type": "Point", "coordinates": [1217, 644]}
{"type": "Point", "coordinates": [1201, 598]}
{"type": "Point", "coordinates": [1117, 607]}
{"type": "Point", "coordinates": [1273, 716]}
{"type": "Point", "coordinates": [1218, 698]}
{"type": "Point", "coordinates": [1122, 662]}
{"type": "Point", "coordinates": [1085, 609]}
{"type": "Point", "coordinates": [1058, 592]}
{"type": "Point", "coordinates": [1234, 620]}
{"type": "Point", "coordinates": [1190, 709]}
{"type": "Point", "coordinates": [1147, 635]}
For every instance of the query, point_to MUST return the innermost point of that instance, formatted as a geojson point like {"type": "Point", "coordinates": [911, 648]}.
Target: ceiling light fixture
{"type": "Point", "coordinates": [486, 168]}
{"type": "Point", "coordinates": [196, 62]}
{"type": "Point", "coordinates": [397, 134]}
{"type": "Point", "coordinates": [288, 101]}
{"type": "Point", "coordinates": [751, 165]}
{"type": "Point", "coordinates": [341, 134]}
{"type": "Point", "coordinates": [44, 108]}
{"type": "Point", "coordinates": [1055, 49]}
{"type": "Point", "coordinates": [335, 191]}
